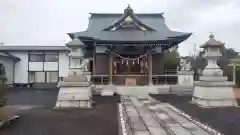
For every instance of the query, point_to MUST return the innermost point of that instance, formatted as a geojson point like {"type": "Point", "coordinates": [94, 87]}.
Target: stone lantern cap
{"type": "Point", "coordinates": [212, 42]}
{"type": "Point", "coordinates": [75, 42]}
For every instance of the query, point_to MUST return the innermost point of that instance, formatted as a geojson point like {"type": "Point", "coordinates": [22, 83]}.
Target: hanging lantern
{"type": "Point", "coordinates": [115, 64]}
{"type": "Point", "coordinates": [133, 62]}
{"type": "Point", "coordinates": [127, 62]}
{"type": "Point", "coordinates": [122, 61]}
{"type": "Point", "coordinates": [138, 60]}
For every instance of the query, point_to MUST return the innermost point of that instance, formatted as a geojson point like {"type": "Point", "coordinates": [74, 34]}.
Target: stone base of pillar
{"type": "Point", "coordinates": [88, 75]}
{"type": "Point", "coordinates": [208, 94]}
{"type": "Point", "coordinates": [74, 97]}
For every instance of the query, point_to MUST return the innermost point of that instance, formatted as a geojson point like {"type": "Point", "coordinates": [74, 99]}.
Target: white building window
{"type": "Point", "coordinates": [51, 57]}
{"type": "Point", "coordinates": [40, 77]}
{"type": "Point", "coordinates": [43, 77]}
{"type": "Point", "coordinates": [52, 77]}
{"type": "Point", "coordinates": [31, 77]}
{"type": "Point", "coordinates": [36, 57]}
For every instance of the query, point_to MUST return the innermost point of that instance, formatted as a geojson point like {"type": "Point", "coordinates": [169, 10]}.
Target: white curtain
{"type": "Point", "coordinates": [40, 76]}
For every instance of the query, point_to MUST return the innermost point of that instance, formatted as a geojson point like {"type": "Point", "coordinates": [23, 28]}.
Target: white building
{"type": "Point", "coordinates": [37, 66]}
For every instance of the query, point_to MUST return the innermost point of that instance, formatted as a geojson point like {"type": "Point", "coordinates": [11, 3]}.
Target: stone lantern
{"type": "Point", "coordinates": [213, 89]}
{"type": "Point", "coordinates": [212, 54]}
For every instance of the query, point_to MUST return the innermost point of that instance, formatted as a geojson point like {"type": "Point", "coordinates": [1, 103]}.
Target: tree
{"type": "Point", "coordinates": [227, 53]}
{"type": "Point", "coordinates": [171, 60]}
{"type": "Point", "coordinates": [3, 87]}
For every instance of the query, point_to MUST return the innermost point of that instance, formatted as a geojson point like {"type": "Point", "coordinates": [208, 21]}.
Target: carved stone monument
{"type": "Point", "coordinates": [74, 92]}
{"type": "Point", "coordinates": [213, 89]}
{"type": "Point", "coordinates": [185, 78]}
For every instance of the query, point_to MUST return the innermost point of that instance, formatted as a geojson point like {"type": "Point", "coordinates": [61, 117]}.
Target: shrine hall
{"type": "Point", "coordinates": [126, 47]}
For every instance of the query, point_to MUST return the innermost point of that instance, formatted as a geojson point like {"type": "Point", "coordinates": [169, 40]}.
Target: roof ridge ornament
{"type": "Point", "coordinates": [129, 17]}
{"type": "Point", "coordinates": [128, 9]}
{"type": "Point", "coordinates": [211, 36]}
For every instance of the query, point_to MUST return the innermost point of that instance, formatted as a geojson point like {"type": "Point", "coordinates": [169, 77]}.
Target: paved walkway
{"type": "Point", "coordinates": [145, 117]}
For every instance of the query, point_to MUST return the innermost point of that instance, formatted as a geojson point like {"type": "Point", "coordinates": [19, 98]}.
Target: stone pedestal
{"type": "Point", "coordinates": [213, 89]}
{"type": "Point", "coordinates": [185, 82]}
{"type": "Point", "coordinates": [88, 75]}
{"type": "Point", "coordinates": [214, 94]}
{"type": "Point", "coordinates": [74, 92]}
{"type": "Point", "coordinates": [185, 78]}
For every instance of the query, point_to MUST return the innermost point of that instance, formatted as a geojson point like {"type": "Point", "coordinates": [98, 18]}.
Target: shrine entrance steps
{"type": "Point", "coordinates": [144, 91]}
{"type": "Point", "coordinates": [149, 117]}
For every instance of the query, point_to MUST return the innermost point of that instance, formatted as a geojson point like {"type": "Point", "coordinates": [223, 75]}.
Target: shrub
{"type": "Point", "coordinates": [3, 93]}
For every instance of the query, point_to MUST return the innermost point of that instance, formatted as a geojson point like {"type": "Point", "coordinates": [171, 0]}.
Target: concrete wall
{"type": "Point", "coordinates": [21, 67]}
{"type": "Point", "coordinates": [8, 63]}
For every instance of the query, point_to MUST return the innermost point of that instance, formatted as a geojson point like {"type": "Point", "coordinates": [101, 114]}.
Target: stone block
{"type": "Point", "coordinates": [141, 133]}
{"type": "Point", "coordinates": [109, 90]}
{"type": "Point", "coordinates": [157, 131]}
{"type": "Point", "coordinates": [180, 89]}
{"type": "Point", "coordinates": [185, 80]}
{"type": "Point", "coordinates": [214, 96]}
{"type": "Point", "coordinates": [213, 78]}
{"type": "Point", "coordinates": [163, 89]}
{"type": "Point", "coordinates": [71, 97]}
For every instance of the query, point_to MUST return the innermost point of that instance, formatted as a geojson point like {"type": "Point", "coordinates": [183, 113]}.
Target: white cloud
{"type": "Point", "coordinates": [46, 22]}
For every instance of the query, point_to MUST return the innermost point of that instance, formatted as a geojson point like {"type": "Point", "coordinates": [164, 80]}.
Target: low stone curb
{"type": "Point", "coordinates": [195, 121]}
{"type": "Point", "coordinates": [9, 121]}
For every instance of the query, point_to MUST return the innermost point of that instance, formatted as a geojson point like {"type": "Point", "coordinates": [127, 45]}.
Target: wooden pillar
{"type": "Point", "coordinates": [94, 60]}
{"type": "Point", "coordinates": [110, 68]}
{"type": "Point", "coordinates": [150, 69]}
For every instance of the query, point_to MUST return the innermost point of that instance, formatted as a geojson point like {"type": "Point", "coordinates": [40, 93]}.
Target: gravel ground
{"type": "Point", "coordinates": [225, 120]}
{"type": "Point", "coordinates": [102, 119]}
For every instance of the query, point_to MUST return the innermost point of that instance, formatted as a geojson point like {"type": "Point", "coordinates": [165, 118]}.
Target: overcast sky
{"type": "Point", "coordinates": [46, 22]}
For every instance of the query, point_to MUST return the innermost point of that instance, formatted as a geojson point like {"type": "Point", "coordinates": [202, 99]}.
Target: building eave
{"type": "Point", "coordinates": [8, 55]}
{"type": "Point", "coordinates": [33, 48]}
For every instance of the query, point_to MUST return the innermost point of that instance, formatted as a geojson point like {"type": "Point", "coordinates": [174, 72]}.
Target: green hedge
{"type": "Point", "coordinates": [3, 93]}
{"type": "Point", "coordinates": [238, 77]}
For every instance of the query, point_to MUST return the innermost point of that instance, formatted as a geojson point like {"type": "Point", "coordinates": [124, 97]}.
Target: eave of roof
{"type": "Point", "coordinates": [33, 48]}
{"type": "Point", "coordinates": [132, 36]}
{"type": "Point", "coordinates": [8, 55]}
{"type": "Point", "coordinates": [167, 40]}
